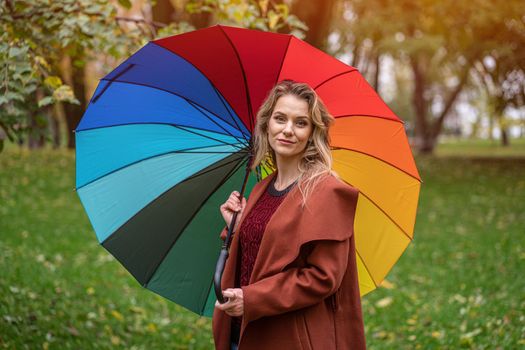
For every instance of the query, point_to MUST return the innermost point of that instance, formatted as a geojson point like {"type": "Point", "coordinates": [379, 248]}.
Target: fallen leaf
{"type": "Point", "coordinates": [151, 327]}
{"type": "Point", "coordinates": [437, 335]}
{"type": "Point", "coordinates": [115, 340]}
{"type": "Point", "coordinates": [382, 303]}
{"type": "Point", "coordinates": [388, 285]}
{"type": "Point", "coordinates": [117, 315]}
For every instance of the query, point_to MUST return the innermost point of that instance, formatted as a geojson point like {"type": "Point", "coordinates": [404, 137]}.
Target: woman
{"type": "Point", "coordinates": [291, 278]}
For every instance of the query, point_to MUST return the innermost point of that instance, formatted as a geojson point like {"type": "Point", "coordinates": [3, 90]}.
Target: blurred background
{"type": "Point", "coordinates": [454, 71]}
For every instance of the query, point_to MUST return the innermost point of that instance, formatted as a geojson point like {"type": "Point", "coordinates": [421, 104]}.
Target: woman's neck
{"type": "Point", "coordinates": [287, 172]}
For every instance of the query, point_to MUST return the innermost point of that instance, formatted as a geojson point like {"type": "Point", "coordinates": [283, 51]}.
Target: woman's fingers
{"type": "Point", "coordinates": [233, 204]}
{"type": "Point", "coordinates": [230, 294]}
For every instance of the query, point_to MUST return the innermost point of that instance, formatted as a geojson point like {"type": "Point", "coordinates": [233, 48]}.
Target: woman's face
{"type": "Point", "coordinates": [289, 127]}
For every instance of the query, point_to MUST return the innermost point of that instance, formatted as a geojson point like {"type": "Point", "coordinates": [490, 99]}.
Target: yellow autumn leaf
{"type": "Point", "coordinates": [411, 321]}
{"type": "Point", "coordinates": [42, 61]}
{"type": "Point", "coordinates": [137, 310]}
{"type": "Point", "coordinates": [273, 18]}
{"type": "Point", "coordinates": [53, 81]}
{"type": "Point", "coordinates": [117, 315]}
{"type": "Point", "coordinates": [115, 340]}
{"type": "Point", "coordinates": [263, 4]}
{"type": "Point", "coordinates": [283, 9]}
{"type": "Point", "coordinates": [151, 327]}
{"type": "Point", "coordinates": [381, 335]}
{"type": "Point", "coordinates": [384, 302]}
{"type": "Point", "coordinates": [437, 334]}
{"type": "Point", "coordinates": [388, 285]}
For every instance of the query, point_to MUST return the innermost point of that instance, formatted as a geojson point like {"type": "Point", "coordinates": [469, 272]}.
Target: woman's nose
{"type": "Point", "coordinates": [287, 129]}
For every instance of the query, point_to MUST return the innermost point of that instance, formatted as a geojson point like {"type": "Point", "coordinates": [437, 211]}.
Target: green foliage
{"type": "Point", "coordinates": [35, 36]}
{"type": "Point", "coordinates": [256, 14]}
{"type": "Point", "coordinates": [458, 285]}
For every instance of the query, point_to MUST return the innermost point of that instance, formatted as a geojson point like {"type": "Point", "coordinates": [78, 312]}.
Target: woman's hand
{"type": "Point", "coordinates": [232, 205]}
{"type": "Point", "coordinates": [235, 304]}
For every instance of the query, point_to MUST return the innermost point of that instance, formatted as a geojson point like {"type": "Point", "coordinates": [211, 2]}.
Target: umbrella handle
{"type": "Point", "coordinates": [221, 261]}
{"type": "Point", "coordinates": [218, 275]}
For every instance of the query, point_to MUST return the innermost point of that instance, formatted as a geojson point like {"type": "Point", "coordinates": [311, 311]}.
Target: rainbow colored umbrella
{"type": "Point", "coordinates": [166, 138]}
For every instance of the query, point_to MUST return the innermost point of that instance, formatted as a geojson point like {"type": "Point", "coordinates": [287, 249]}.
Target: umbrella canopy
{"type": "Point", "coordinates": [166, 138]}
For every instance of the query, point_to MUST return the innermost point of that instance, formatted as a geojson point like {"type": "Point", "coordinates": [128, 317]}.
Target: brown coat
{"type": "Point", "coordinates": [303, 291]}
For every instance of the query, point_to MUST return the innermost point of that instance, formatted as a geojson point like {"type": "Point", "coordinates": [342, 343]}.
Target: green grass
{"type": "Point", "coordinates": [459, 284]}
{"type": "Point", "coordinates": [481, 148]}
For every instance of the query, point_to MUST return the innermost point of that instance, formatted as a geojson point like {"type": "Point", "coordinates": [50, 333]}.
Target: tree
{"type": "Point", "coordinates": [501, 71]}
{"type": "Point", "coordinates": [35, 37]}
{"type": "Point", "coordinates": [317, 16]}
{"type": "Point", "coordinates": [439, 41]}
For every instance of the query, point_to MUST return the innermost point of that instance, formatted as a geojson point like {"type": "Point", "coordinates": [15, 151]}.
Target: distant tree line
{"type": "Point", "coordinates": [440, 51]}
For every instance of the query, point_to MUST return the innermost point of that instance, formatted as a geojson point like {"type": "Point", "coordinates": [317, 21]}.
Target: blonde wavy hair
{"type": "Point", "coordinates": [316, 160]}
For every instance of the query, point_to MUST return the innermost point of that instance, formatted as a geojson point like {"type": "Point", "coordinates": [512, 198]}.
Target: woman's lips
{"type": "Point", "coordinates": [285, 142]}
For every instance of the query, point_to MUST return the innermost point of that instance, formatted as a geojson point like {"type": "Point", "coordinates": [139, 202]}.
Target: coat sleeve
{"type": "Point", "coordinates": [299, 287]}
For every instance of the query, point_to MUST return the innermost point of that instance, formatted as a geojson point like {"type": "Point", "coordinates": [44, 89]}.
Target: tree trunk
{"type": "Point", "coordinates": [38, 123]}
{"type": "Point", "coordinates": [317, 15]}
{"type": "Point", "coordinates": [200, 20]}
{"type": "Point", "coordinates": [377, 71]}
{"type": "Point", "coordinates": [505, 137]}
{"type": "Point", "coordinates": [74, 112]}
{"type": "Point", "coordinates": [54, 127]}
{"type": "Point", "coordinates": [420, 108]}
{"type": "Point", "coordinates": [427, 145]}
{"type": "Point", "coordinates": [163, 11]}
{"type": "Point", "coordinates": [491, 127]}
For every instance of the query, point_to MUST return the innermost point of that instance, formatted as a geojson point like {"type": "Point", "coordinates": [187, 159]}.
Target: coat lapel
{"type": "Point", "coordinates": [280, 243]}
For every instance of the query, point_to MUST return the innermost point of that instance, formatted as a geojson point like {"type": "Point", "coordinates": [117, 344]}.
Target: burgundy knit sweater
{"type": "Point", "coordinates": [251, 233]}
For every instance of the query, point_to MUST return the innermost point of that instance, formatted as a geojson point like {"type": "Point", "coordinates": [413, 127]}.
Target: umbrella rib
{"type": "Point", "coordinates": [379, 159]}
{"type": "Point", "coordinates": [209, 81]}
{"type": "Point", "coordinates": [207, 137]}
{"type": "Point", "coordinates": [248, 98]}
{"type": "Point", "coordinates": [234, 119]}
{"type": "Point", "coordinates": [156, 123]}
{"type": "Point", "coordinates": [186, 150]}
{"type": "Point", "coordinates": [222, 183]}
{"type": "Point", "coordinates": [369, 116]}
{"type": "Point", "coordinates": [217, 167]}
{"type": "Point", "coordinates": [195, 212]}
{"type": "Point", "coordinates": [170, 92]}
{"type": "Point", "coordinates": [220, 126]}
{"type": "Point", "coordinates": [284, 57]}
{"type": "Point", "coordinates": [381, 209]}
{"type": "Point", "coordinates": [366, 268]}
{"type": "Point", "coordinates": [335, 76]}
{"type": "Point", "coordinates": [110, 81]}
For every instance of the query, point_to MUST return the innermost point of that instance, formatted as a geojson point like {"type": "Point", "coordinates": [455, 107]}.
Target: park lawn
{"type": "Point", "coordinates": [458, 285]}
{"type": "Point", "coordinates": [480, 148]}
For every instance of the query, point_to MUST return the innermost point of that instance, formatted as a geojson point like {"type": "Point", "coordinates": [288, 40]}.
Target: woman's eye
{"type": "Point", "coordinates": [301, 123]}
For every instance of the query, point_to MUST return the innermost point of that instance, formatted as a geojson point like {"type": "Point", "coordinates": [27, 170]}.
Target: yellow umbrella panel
{"type": "Point", "coordinates": [372, 154]}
